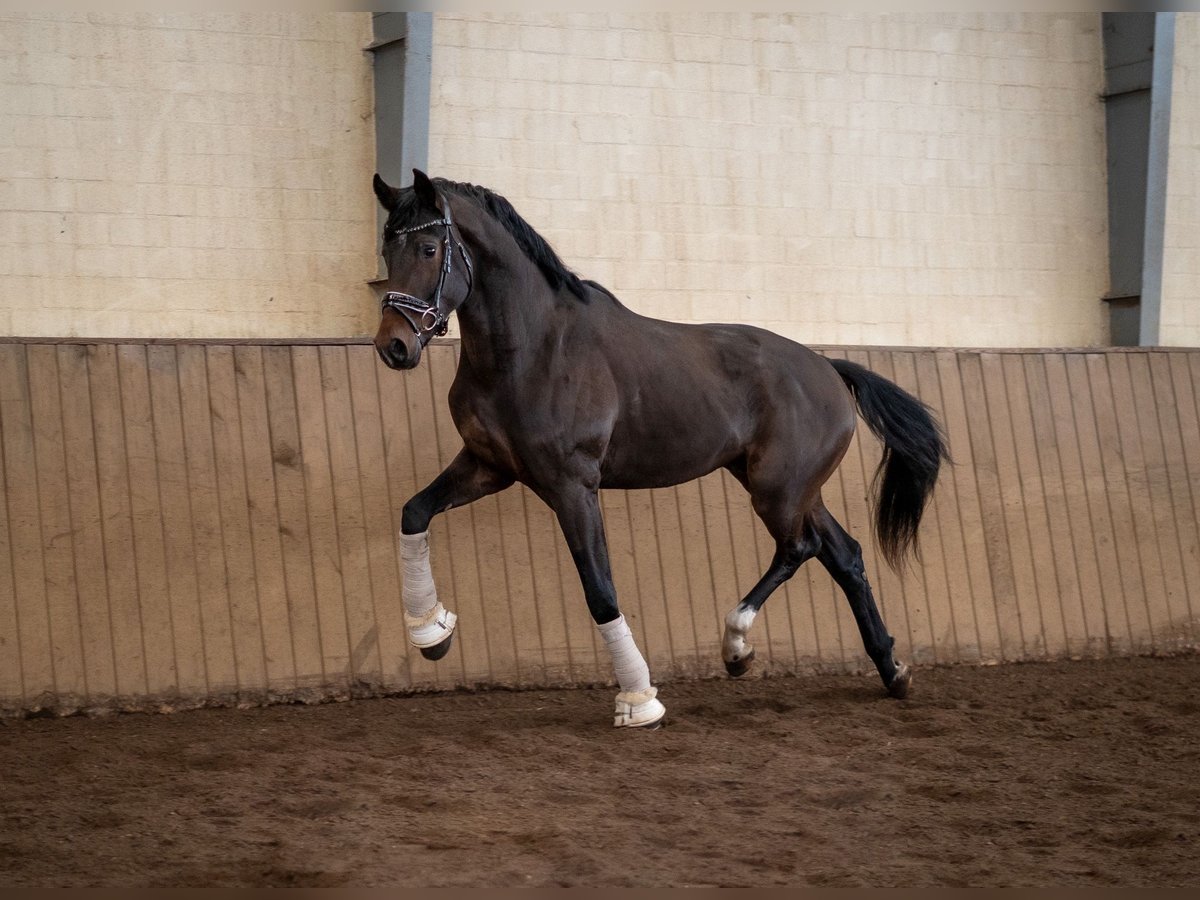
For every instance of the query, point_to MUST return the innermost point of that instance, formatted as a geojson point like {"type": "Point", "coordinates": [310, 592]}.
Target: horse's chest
{"type": "Point", "coordinates": [484, 434]}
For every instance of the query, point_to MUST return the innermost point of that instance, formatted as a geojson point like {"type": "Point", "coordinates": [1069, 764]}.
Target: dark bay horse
{"type": "Point", "coordinates": [563, 389]}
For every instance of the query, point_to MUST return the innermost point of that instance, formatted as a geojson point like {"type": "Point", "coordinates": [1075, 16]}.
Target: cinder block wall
{"type": "Point", "coordinates": [882, 179]}
{"type": "Point", "coordinates": [1180, 316]}
{"type": "Point", "coordinates": [185, 174]}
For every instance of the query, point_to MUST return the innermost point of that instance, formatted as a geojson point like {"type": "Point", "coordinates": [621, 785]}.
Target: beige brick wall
{"type": "Point", "coordinates": [1180, 316]}
{"type": "Point", "coordinates": [886, 179]}
{"type": "Point", "coordinates": [186, 174]}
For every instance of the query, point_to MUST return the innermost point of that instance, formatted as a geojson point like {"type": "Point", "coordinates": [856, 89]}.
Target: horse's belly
{"type": "Point", "coordinates": [665, 459]}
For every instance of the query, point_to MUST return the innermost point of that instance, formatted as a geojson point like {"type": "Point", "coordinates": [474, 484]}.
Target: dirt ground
{"type": "Point", "coordinates": [1084, 774]}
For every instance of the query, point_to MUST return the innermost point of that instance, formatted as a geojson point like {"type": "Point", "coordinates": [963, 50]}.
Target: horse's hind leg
{"type": "Point", "coordinates": [790, 554]}
{"type": "Point", "coordinates": [842, 556]}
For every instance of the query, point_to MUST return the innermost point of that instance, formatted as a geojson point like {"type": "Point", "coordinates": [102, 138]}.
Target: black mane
{"type": "Point", "coordinates": [532, 244]}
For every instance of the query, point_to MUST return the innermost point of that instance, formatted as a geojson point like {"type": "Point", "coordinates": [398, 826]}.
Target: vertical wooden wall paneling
{"type": "Point", "coordinates": [25, 529]}
{"type": "Point", "coordinates": [1063, 616]}
{"type": "Point", "coordinates": [1109, 410]}
{"type": "Point", "coordinates": [364, 664]}
{"type": "Point", "coordinates": [977, 592]}
{"type": "Point", "coordinates": [1148, 415]}
{"type": "Point", "coordinates": [292, 526]}
{"type": "Point", "coordinates": [12, 675]}
{"type": "Point", "coordinates": [182, 586]}
{"type": "Point", "coordinates": [1017, 542]}
{"type": "Point", "coordinates": [381, 529]}
{"type": "Point", "coordinates": [263, 512]}
{"type": "Point", "coordinates": [1089, 636]}
{"type": "Point", "coordinates": [944, 543]}
{"type": "Point", "coordinates": [698, 589]}
{"type": "Point", "coordinates": [1043, 617]}
{"type": "Point", "coordinates": [204, 505]}
{"type": "Point", "coordinates": [232, 490]}
{"type": "Point", "coordinates": [1096, 490]}
{"type": "Point", "coordinates": [149, 542]}
{"type": "Point", "coordinates": [322, 517]}
{"type": "Point", "coordinates": [991, 495]}
{"type": "Point", "coordinates": [220, 521]}
{"type": "Point", "coordinates": [83, 485]}
{"type": "Point", "coordinates": [112, 454]}
{"type": "Point", "coordinates": [57, 538]}
{"type": "Point", "coordinates": [1181, 431]}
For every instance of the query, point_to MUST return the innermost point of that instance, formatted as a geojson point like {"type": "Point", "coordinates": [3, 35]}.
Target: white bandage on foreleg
{"type": "Point", "coordinates": [633, 675]}
{"type": "Point", "coordinates": [428, 622]}
{"type": "Point", "coordinates": [418, 591]}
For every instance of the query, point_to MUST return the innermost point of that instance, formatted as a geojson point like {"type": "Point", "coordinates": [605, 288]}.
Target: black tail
{"type": "Point", "coordinates": [914, 448]}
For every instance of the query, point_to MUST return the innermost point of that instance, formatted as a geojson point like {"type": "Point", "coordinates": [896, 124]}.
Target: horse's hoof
{"type": "Point", "coordinates": [437, 651]}
{"type": "Point", "coordinates": [739, 667]}
{"type": "Point", "coordinates": [901, 682]}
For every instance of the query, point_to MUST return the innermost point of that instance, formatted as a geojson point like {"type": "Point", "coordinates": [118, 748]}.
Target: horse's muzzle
{"type": "Point", "coordinates": [396, 355]}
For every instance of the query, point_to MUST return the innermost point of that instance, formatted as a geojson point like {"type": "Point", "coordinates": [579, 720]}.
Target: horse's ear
{"type": "Point", "coordinates": [387, 194]}
{"type": "Point", "coordinates": [426, 192]}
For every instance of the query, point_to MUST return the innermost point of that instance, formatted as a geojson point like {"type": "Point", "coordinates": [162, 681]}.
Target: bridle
{"type": "Point", "coordinates": [432, 319]}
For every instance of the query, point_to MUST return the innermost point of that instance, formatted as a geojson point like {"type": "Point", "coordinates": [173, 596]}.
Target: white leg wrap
{"type": "Point", "coordinates": [636, 703]}
{"type": "Point", "coordinates": [737, 624]}
{"type": "Point", "coordinates": [428, 622]}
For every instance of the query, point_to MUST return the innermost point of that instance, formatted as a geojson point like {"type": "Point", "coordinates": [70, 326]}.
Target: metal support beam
{"type": "Point", "coordinates": [1138, 58]}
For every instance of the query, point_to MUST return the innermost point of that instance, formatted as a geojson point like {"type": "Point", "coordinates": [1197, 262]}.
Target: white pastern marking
{"type": "Point", "coordinates": [737, 625]}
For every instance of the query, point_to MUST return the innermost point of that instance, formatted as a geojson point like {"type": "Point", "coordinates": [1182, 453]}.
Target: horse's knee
{"type": "Point", "coordinates": [415, 517]}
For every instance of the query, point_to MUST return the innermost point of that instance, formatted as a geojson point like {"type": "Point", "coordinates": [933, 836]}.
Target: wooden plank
{"type": "Point", "coordinates": [677, 591]}
{"type": "Point", "coordinates": [12, 680]}
{"type": "Point", "coordinates": [128, 637]}
{"type": "Point", "coordinates": [322, 520]}
{"type": "Point", "coordinates": [263, 509]}
{"type": "Point", "coordinates": [721, 568]}
{"type": "Point", "coordinates": [204, 504]}
{"type": "Point", "coordinates": [978, 626]}
{"type": "Point", "coordinates": [992, 512]}
{"type": "Point", "coordinates": [1032, 484]}
{"type": "Point", "coordinates": [700, 595]}
{"type": "Point", "coordinates": [236, 534]}
{"type": "Point", "coordinates": [295, 546]}
{"type": "Point", "coordinates": [25, 529]}
{"type": "Point", "coordinates": [1129, 463]}
{"type": "Point", "coordinates": [183, 593]}
{"type": "Point", "coordinates": [377, 509]}
{"type": "Point", "coordinates": [945, 555]}
{"type": "Point", "coordinates": [147, 516]}
{"type": "Point", "coordinates": [1181, 431]}
{"type": "Point", "coordinates": [58, 539]}
{"type": "Point", "coordinates": [1092, 376]}
{"type": "Point", "coordinates": [1154, 412]}
{"type": "Point", "coordinates": [99, 664]}
{"type": "Point", "coordinates": [364, 663]}
{"type": "Point", "coordinates": [1064, 613]}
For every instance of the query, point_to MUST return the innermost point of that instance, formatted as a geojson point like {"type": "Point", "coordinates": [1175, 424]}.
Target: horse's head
{"type": "Point", "coordinates": [429, 271]}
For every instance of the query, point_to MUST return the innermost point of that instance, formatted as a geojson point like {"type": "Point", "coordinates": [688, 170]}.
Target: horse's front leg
{"type": "Point", "coordinates": [578, 510]}
{"type": "Point", "coordinates": [430, 625]}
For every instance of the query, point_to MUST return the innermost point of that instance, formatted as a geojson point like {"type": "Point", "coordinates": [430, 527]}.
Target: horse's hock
{"type": "Point", "coordinates": [189, 523]}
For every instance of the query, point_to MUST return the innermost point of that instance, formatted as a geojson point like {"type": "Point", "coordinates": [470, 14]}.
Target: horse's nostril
{"type": "Point", "coordinates": [397, 351]}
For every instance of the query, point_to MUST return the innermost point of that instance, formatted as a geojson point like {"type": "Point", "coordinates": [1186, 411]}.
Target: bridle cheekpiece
{"type": "Point", "coordinates": [431, 319]}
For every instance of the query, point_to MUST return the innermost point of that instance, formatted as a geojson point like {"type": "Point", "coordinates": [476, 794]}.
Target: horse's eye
{"type": "Point", "coordinates": [429, 251]}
